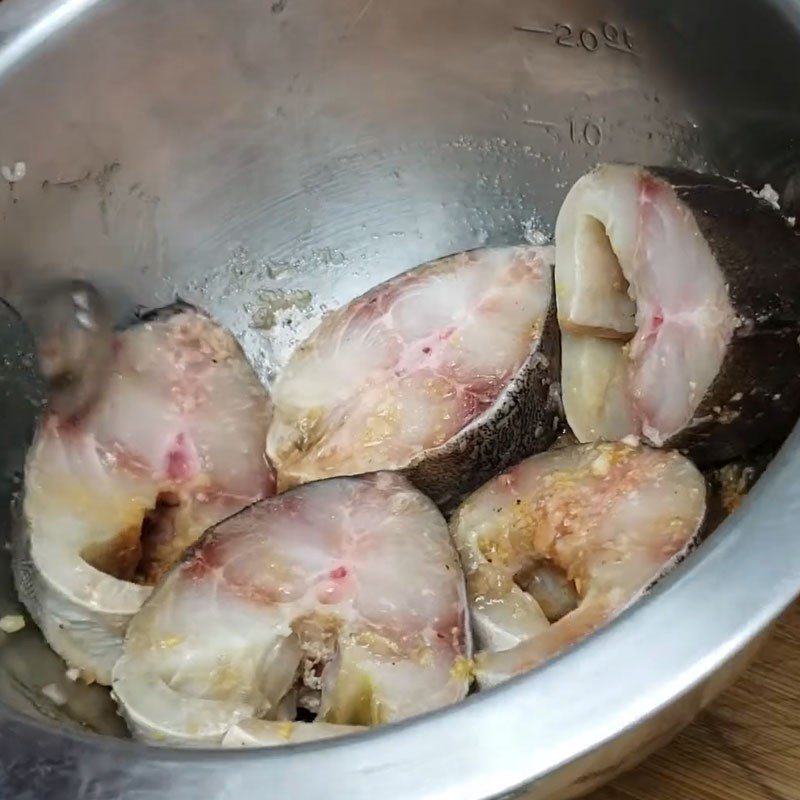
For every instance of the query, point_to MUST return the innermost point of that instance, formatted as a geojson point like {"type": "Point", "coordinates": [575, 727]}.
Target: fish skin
{"type": "Point", "coordinates": [529, 404]}
{"type": "Point", "coordinates": [83, 608]}
{"type": "Point", "coordinates": [524, 419]}
{"type": "Point", "coordinates": [762, 362]}
{"type": "Point", "coordinates": [613, 518]}
{"type": "Point", "coordinates": [288, 595]}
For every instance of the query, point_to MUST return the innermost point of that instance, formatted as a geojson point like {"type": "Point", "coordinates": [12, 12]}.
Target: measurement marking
{"type": "Point", "coordinates": [585, 131]}
{"type": "Point", "coordinates": [620, 49]}
{"type": "Point", "coordinates": [589, 132]}
{"type": "Point", "coordinates": [589, 40]}
{"type": "Point", "coordinates": [617, 39]}
{"type": "Point", "coordinates": [603, 35]}
{"type": "Point", "coordinates": [542, 124]}
{"type": "Point", "coordinates": [551, 128]}
{"type": "Point", "coordinates": [524, 29]}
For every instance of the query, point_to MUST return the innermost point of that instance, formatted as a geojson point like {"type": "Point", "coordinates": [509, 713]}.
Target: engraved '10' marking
{"type": "Point", "coordinates": [588, 132]}
{"type": "Point", "coordinates": [606, 35]}
{"type": "Point", "coordinates": [584, 131]}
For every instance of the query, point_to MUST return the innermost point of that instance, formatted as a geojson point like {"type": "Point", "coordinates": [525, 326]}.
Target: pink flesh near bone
{"type": "Point", "coordinates": [349, 588]}
{"type": "Point", "coordinates": [651, 385]}
{"type": "Point", "coordinates": [612, 518]}
{"type": "Point", "coordinates": [405, 367]}
{"type": "Point", "coordinates": [183, 414]}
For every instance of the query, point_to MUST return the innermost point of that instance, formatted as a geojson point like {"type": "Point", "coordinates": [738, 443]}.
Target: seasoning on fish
{"type": "Point", "coordinates": [609, 517]}
{"type": "Point", "coordinates": [679, 304]}
{"type": "Point", "coordinates": [342, 597]}
{"type": "Point", "coordinates": [448, 372]}
{"type": "Point", "coordinates": [175, 444]}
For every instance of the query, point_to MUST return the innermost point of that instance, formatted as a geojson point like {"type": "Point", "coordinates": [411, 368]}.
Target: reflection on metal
{"type": "Point", "coordinates": [227, 151]}
{"type": "Point", "coordinates": [52, 19]}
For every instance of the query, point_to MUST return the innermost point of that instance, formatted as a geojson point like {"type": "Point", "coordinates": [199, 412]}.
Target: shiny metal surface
{"type": "Point", "coordinates": [227, 152]}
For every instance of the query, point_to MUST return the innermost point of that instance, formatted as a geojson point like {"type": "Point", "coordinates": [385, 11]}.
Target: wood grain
{"type": "Point", "coordinates": [746, 746]}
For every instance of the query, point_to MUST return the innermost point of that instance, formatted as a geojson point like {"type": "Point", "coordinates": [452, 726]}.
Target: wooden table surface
{"type": "Point", "coordinates": [746, 746]}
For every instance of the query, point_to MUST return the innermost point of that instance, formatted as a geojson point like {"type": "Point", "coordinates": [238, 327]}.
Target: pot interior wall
{"type": "Point", "coordinates": [270, 160]}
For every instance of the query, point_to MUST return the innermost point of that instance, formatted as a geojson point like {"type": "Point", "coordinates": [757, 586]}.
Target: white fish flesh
{"type": "Point", "coordinates": [175, 444]}
{"type": "Point", "coordinates": [609, 517]}
{"type": "Point", "coordinates": [341, 597]}
{"type": "Point", "coordinates": [268, 733]}
{"type": "Point", "coordinates": [679, 304]}
{"type": "Point", "coordinates": [447, 372]}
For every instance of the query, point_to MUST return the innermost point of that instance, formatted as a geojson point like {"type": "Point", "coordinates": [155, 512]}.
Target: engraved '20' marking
{"type": "Point", "coordinates": [606, 35]}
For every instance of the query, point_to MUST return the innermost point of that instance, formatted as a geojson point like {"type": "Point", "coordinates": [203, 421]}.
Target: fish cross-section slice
{"type": "Point", "coordinates": [175, 444]}
{"type": "Point", "coordinates": [679, 303]}
{"type": "Point", "coordinates": [446, 372]}
{"type": "Point", "coordinates": [609, 518]}
{"type": "Point", "coordinates": [342, 597]}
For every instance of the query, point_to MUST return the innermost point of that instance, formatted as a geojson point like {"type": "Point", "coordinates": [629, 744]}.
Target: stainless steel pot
{"type": "Point", "coordinates": [220, 150]}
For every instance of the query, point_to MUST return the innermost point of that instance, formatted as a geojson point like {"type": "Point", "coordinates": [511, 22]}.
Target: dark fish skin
{"type": "Point", "coordinates": [163, 313]}
{"type": "Point", "coordinates": [524, 421]}
{"type": "Point", "coordinates": [765, 370]}
{"type": "Point", "coordinates": [755, 398]}
{"type": "Point", "coordinates": [755, 246]}
{"type": "Point", "coordinates": [729, 484]}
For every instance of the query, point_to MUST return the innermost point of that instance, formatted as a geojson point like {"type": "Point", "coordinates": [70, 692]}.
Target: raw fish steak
{"type": "Point", "coordinates": [447, 372]}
